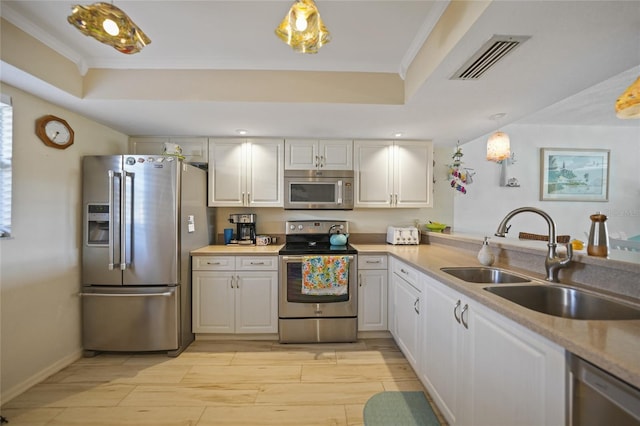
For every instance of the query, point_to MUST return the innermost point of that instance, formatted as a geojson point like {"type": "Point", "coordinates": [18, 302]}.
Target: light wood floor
{"type": "Point", "coordinates": [219, 383]}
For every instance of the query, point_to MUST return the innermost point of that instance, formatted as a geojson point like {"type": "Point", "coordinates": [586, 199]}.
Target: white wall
{"type": "Point", "coordinates": [40, 264]}
{"type": "Point", "coordinates": [486, 203]}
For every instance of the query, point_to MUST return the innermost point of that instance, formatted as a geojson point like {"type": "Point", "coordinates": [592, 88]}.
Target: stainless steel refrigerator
{"type": "Point", "coordinates": [143, 214]}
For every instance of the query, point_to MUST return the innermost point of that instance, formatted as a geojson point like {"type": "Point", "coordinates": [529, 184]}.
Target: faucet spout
{"type": "Point", "coordinates": [553, 263]}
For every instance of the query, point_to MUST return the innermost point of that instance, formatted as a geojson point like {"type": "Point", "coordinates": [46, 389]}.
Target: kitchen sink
{"type": "Point", "coordinates": [483, 275]}
{"type": "Point", "coordinates": [566, 302]}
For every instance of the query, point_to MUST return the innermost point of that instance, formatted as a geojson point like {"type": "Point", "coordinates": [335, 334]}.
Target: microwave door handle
{"type": "Point", "coordinates": [339, 192]}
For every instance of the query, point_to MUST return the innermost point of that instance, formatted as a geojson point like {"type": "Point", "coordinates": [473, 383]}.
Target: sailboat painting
{"type": "Point", "coordinates": [574, 174]}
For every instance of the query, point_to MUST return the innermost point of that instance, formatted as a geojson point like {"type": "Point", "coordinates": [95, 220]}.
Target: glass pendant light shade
{"type": "Point", "coordinates": [498, 147]}
{"type": "Point", "coordinates": [628, 104]}
{"type": "Point", "coordinates": [303, 29]}
{"type": "Point", "coordinates": [109, 25]}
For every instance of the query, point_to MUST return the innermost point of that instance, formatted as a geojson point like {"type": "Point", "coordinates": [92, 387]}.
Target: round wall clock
{"type": "Point", "coordinates": [54, 132]}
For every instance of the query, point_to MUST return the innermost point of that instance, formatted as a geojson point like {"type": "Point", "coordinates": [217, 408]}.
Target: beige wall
{"type": "Point", "coordinates": [40, 264]}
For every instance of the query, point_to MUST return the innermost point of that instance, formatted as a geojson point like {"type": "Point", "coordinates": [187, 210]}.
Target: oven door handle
{"type": "Point", "coordinates": [299, 258]}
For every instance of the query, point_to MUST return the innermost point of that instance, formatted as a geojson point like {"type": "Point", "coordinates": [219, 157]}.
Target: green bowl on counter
{"type": "Point", "coordinates": [435, 227]}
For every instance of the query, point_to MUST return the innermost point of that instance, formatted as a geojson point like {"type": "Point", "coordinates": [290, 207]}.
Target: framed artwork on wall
{"type": "Point", "coordinates": [574, 174]}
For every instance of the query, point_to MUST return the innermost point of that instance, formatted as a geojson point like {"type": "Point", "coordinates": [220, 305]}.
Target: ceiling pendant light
{"type": "Point", "coordinates": [109, 25]}
{"type": "Point", "coordinates": [628, 104]}
{"type": "Point", "coordinates": [302, 28]}
{"type": "Point", "coordinates": [498, 145]}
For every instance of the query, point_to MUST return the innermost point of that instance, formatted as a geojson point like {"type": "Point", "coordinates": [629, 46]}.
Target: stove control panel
{"type": "Point", "coordinates": [300, 227]}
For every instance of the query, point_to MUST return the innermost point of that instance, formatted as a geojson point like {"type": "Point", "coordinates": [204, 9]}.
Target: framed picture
{"type": "Point", "coordinates": [574, 174]}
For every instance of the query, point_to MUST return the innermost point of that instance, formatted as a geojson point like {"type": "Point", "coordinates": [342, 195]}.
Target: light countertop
{"type": "Point", "coordinates": [237, 249]}
{"type": "Point", "coordinates": [612, 345]}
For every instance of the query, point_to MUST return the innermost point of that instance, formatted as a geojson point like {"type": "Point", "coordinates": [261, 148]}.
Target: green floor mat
{"type": "Point", "coordinates": [399, 409]}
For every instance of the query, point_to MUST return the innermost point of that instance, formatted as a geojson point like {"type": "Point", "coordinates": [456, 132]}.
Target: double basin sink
{"type": "Point", "coordinates": [551, 299]}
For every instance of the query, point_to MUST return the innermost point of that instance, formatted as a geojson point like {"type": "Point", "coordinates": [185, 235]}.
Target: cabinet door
{"type": "Point", "coordinates": [301, 154]}
{"type": "Point", "coordinates": [195, 150]}
{"type": "Point", "coordinates": [512, 375]}
{"type": "Point", "coordinates": [373, 173]}
{"type": "Point", "coordinates": [147, 145]}
{"type": "Point", "coordinates": [336, 154]}
{"type": "Point", "coordinates": [257, 302]}
{"type": "Point", "coordinates": [413, 174]}
{"type": "Point", "coordinates": [213, 301]}
{"type": "Point", "coordinates": [372, 299]}
{"type": "Point", "coordinates": [442, 348]}
{"type": "Point", "coordinates": [265, 173]}
{"type": "Point", "coordinates": [227, 173]}
{"type": "Point", "coordinates": [408, 320]}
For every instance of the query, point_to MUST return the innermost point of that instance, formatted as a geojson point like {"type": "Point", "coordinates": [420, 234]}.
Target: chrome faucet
{"type": "Point", "coordinates": [553, 263]}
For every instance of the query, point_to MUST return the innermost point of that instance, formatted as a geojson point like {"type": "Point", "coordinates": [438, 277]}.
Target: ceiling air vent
{"type": "Point", "coordinates": [489, 54]}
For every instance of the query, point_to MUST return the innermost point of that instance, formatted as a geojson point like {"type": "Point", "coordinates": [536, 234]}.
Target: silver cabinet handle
{"type": "Point", "coordinates": [455, 311]}
{"type": "Point", "coordinates": [416, 306]}
{"type": "Point", "coordinates": [360, 280]}
{"type": "Point", "coordinates": [322, 161]}
{"type": "Point", "coordinates": [257, 263]}
{"type": "Point", "coordinates": [214, 263]}
{"type": "Point", "coordinates": [248, 198]}
{"type": "Point", "coordinates": [464, 323]}
{"type": "Point", "coordinates": [391, 200]}
{"type": "Point", "coordinates": [317, 162]}
{"type": "Point", "coordinates": [372, 261]}
{"type": "Point", "coordinates": [404, 272]}
{"type": "Point", "coordinates": [232, 281]}
{"type": "Point", "coordinates": [237, 281]}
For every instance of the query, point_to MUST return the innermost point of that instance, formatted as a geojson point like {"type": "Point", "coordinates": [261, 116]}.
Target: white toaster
{"type": "Point", "coordinates": [403, 235]}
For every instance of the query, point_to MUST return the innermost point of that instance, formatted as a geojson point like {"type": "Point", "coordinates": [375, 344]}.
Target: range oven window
{"type": "Point", "coordinates": [312, 192]}
{"type": "Point", "coordinates": [294, 288]}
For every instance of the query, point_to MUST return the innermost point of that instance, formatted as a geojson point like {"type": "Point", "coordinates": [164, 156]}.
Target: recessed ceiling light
{"type": "Point", "coordinates": [398, 134]}
{"type": "Point", "coordinates": [241, 132]}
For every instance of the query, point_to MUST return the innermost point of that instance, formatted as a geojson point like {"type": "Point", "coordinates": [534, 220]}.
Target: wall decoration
{"type": "Point", "coordinates": [574, 174]}
{"type": "Point", "coordinates": [460, 176]}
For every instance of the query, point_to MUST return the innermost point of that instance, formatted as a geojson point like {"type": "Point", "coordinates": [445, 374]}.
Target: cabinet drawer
{"type": "Point", "coordinates": [407, 272]}
{"type": "Point", "coordinates": [213, 263]}
{"type": "Point", "coordinates": [370, 261]}
{"type": "Point", "coordinates": [257, 263]}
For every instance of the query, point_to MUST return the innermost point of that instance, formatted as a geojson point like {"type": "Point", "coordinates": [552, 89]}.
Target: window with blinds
{"type": "Point", "coordinates": [6, 142]}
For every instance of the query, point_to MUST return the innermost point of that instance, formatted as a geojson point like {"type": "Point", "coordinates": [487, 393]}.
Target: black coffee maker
{"type": "Point", "coordinates": [245, 227]}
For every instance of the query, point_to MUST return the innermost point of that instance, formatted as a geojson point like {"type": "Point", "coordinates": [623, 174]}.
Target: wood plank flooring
{"type": "Point", "coordinates": [220, 383]}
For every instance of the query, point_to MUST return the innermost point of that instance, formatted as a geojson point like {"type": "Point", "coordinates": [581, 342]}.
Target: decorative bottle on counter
{"type": "Point", "coordinates": [598, 236]}
{"type": "Point", "coordinates": [485, 256]}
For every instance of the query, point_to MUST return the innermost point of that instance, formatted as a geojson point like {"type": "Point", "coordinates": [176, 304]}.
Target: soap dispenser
{"type": "Point", "coordinates": [485, 256]}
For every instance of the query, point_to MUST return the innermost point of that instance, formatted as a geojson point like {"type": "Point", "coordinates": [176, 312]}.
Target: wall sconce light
{"type": "Point", "coordinates": [499, 151]}
{"type": "Point", "coordinates": [498, 145]}
{"type": "Point", "coordinates": [628, 104]}
{"type": "Point", "coordinates": [109, 25]}
{"type": "Point", "coordinates": [303, 29]}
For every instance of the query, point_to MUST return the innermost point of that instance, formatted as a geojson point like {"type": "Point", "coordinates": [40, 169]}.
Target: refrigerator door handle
{"type": "Point", "coordinates": [165, 294]}
{"type": "Point", "coordinates": [112, 231]}
{"type": "Point", "coordinates": [123, 220]}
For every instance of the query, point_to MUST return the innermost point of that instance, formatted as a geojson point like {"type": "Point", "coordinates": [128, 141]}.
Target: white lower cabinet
{"type": "Point", "coordinates": [372, 292]}
{"type": "Point", "coordinates": [484, 369]}
{"type": "Point", "coordinates": [235, 294]}
{"type": "Point", "coordinates": [407, 316]}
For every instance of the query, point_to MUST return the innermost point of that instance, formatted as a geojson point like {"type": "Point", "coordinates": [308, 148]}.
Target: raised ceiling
{"type": "Point", "coordinates": [216, 66]}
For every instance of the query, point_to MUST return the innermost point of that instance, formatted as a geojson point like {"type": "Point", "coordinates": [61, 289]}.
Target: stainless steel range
{"type": "Point", "coordinates": [310, 318]}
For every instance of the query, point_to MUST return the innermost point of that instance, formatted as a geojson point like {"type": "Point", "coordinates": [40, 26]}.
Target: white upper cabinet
{"type": "Point", "coordinates": [323, 154]}
{"type": "Point", "coordinates": [246, 172]}
{"type": "Point", "coordinates": [394, 173]}
{"type": "Point", "coordinates": [195, 150]}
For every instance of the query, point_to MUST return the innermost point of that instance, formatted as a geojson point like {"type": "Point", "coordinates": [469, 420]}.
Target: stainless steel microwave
{"type": "Point", "coordinates": [318, 189]}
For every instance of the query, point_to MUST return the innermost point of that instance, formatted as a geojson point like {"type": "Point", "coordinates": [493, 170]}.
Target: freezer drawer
{"type": "Point", "coordinates": [130, 319]}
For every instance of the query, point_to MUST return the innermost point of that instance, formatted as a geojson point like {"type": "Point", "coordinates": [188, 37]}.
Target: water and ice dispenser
{"type": "Point", "coordinates": [98, 224]}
